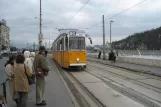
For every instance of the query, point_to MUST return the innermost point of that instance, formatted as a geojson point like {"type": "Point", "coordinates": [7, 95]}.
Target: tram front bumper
{"type": "Point", "coordinates": [80, 64]}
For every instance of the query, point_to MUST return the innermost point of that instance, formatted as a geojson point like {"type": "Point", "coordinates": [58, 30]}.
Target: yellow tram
{"type": "Point", "coordinates": [69, 48]}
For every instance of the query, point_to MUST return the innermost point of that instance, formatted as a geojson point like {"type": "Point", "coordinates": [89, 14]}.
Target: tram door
{"type": "Point", "coordinates": [59, 51]}
{"type": "Point", "coordinates": [63, 49]}
{"type": "Point", "coordinates": [61, 54]}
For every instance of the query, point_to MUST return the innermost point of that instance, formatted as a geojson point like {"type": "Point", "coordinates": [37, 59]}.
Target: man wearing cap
{"type": "Point", "coordinates": [41, 70]}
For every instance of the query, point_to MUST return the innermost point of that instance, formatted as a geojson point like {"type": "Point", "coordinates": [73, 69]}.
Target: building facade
{"type": "Point", "coordinates": [4, 36]}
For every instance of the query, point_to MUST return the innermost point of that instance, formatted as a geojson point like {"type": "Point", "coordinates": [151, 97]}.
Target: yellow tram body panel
{"type": "Point", "coordinates": [70, 59]}
{"type": "Point", "coordinates": [69, 48]}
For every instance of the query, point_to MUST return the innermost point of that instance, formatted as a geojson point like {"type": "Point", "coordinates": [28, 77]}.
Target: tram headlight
{"type": "Point", "coordinates": [77, 59]}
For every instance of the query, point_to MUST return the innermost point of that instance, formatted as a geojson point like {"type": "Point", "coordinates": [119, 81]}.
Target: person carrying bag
{"type": "Point", "coordinates": [21, 81]}
{"type": "Point", "coordinates": [41, 70]}
{"type": "Point", "coordinates": [30, 79]}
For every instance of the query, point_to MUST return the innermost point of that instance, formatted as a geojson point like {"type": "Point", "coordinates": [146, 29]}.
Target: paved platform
{"type": "Point", "coordinates": [2, 70]}
{"type": "Point", "coordinates": [150, 69]}
{"type": "Point", "coordinates": [56, 93]}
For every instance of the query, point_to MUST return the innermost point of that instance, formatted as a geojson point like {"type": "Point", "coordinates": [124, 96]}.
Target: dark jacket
{"type": "Point", "coordinates": [41, 62]}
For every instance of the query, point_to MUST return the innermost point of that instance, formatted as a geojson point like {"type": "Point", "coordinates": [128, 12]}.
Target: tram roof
{"type": "Point", "coordinates": [68, 30]}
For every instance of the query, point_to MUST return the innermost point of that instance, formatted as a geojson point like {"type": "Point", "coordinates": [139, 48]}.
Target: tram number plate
{"type": "Point", "coordinates": [72, 33]}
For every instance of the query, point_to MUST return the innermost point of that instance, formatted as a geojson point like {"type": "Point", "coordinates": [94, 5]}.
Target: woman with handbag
{"type": "Point", "coordinates": [9, 71]}
{"type": "Point", "coordinates": [21, 80]}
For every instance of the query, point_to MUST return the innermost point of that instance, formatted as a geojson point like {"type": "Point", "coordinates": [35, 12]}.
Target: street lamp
{"type": "Point", "coordinates": [110, 30]}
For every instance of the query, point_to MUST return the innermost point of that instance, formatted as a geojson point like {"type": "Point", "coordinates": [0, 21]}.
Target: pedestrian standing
{"type": "Point", "coordinates": [115, 54]}
{"type": "Point", "coordinates": [41, 70]}
{"type": "Point", "coordinates": [113, 57]}
{"type": "Point", "coordinates": [28, 62]}
{"type": "Point", "coordinates": [9, 66]}
{"type": "Point", "coordinates": [21, 74]}
{"type": "Point", "coordinates": [99, 54]}
{"type": "Point", "coordinates": [32, 57]}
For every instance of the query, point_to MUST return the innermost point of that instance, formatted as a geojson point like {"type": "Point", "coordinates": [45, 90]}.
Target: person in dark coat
{"type": "Point", "coordinates": [112, 56]}
{"type": "Point", "coordinates": [42, 68]}
{"type": "Point", "coordinates": [99, 55]}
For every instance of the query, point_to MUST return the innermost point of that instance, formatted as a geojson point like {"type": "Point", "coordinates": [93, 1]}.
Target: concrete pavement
{"type": "Point", "coordinates": [2, 70]}
{"type": "Point", "coordinates": [56, 93]}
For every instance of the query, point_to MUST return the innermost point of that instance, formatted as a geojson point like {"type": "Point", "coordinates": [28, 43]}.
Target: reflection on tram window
{"type": "Point", "coordinates": [77, 43]}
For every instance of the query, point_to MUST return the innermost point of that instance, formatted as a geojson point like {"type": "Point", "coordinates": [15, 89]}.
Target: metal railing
{"type": "Point", "coordinates": [4, 88]}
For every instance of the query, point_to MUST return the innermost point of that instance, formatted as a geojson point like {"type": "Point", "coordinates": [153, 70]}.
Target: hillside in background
{"type": "Point", "coordinates": [147, 40]}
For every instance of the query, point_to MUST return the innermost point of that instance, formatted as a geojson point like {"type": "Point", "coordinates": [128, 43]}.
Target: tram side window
{"type": "Point", "coordinates": [55, 47]}
{"type": "Point", "coordinates": [58, 45]}
{"type": "Point", "coordinates": [62, 45]}
{"type": "Point", "coordinates": [66, 43]}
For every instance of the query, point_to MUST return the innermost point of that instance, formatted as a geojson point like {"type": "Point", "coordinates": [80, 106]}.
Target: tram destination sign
{"type": "Point", "coordinates": [74, 33]}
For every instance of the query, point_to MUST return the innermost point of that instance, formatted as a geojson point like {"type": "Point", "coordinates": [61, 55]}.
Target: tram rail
{"type": "Point", "coordinates": [71, 81]}
{"type": "Point", "coordinates": [125, 77]}
{"type": "Point", "coordinates": [128, 92]}
{"type": "Point", "coordinates": [129, 69]}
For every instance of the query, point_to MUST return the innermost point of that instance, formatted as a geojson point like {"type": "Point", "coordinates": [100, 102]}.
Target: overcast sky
{"type": "Point", "coordinates": [20, 14]}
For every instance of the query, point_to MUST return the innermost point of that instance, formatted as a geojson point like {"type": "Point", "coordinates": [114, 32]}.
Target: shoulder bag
{"type": "Point", "coordinates": [30, 79]}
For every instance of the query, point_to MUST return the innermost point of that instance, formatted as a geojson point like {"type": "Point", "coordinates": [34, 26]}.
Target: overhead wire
{"type": "Point", "coordinates": [117, 14]}
{"type": "Point", "coordinates": [78, 11]}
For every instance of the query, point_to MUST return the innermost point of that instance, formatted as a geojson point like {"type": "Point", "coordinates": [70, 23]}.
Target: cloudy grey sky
{"type": "Point", "coordinates": [20, 14]}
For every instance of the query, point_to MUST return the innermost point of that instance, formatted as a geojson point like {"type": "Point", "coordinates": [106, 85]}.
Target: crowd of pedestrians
{"type": "Point", "coordinates": [23, 70]}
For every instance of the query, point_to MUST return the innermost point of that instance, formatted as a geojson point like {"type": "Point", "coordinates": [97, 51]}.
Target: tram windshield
{"type": "Point", "coordinates": [77, 43]}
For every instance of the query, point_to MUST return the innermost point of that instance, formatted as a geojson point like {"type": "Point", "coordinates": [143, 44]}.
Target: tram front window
{"type": "Point", "coordinates": [76, 43]}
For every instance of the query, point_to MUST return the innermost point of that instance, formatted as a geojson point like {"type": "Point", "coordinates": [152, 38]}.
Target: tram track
{"type": "Point", "coordinates": [129, 69]}
{"type": "Point", "coordinates": [109, 81]}
{"type": "Point", "coordinates": [95, 99]}
{"type": "Point", "coordinates": [83, 96]}
{"type": "Point", "coordinates": [128, 92]}
{"type": "Point", "coordinates": [136, 81]}
{"type": "Point", "coordinates": [73, 81]}
{"type": "Point", "coordinates": [142, 99]}
{"type": "Point", "coordinates": [125, 69]}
